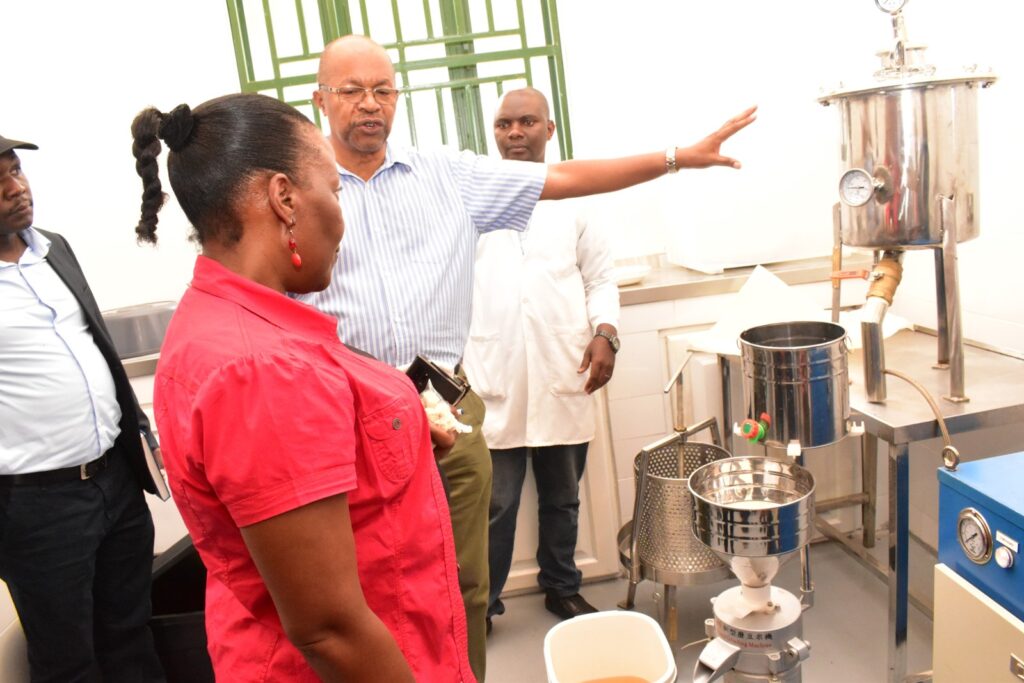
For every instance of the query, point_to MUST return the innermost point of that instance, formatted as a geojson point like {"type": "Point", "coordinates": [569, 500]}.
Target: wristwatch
{"type": "Point", "coordinates": [612, 339]}
{"type": "Point", "coordinates": [670, 161]}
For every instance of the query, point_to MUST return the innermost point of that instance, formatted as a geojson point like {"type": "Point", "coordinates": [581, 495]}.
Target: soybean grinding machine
{"type": "Point", "coordinates": [755, 513]}
{"type": "Point", "coordinates": [909, 180]}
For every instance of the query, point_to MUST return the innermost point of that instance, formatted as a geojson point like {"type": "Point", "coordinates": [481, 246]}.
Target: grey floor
{"type": "Point", "coordinates": [846, 626]}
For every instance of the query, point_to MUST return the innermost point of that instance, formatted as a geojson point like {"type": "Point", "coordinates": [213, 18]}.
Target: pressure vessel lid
{"type": "Point", "coordinates": [885, 81]}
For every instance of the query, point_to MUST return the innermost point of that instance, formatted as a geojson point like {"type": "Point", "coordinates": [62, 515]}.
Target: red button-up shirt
{"type": "Point", "coordinates": [262, 410]}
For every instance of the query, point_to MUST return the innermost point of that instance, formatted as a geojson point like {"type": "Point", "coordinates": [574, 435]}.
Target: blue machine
{"type": "Point", "coordinates": [981, 524]}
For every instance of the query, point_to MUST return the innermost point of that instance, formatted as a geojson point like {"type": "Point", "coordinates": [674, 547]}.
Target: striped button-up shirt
{"type": "Point", "coordinates": [403, 282]}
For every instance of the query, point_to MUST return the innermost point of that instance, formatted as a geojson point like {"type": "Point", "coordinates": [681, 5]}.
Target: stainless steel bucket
{"type": "Point", "coordinates": [917, 137]}
{"type": "Point", "coordinates": [796, 374]}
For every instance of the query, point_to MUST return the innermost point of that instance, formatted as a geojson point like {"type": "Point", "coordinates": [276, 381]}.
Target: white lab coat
{"type": "Point", "coordinates": [538, 296]}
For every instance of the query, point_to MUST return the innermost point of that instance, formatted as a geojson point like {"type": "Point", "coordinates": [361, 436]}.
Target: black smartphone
{"type": "Point", "coordinates": [451, 388]}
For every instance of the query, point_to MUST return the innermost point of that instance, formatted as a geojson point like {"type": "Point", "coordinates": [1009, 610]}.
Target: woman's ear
{"type": "Point", "coordinates": [281, 196]}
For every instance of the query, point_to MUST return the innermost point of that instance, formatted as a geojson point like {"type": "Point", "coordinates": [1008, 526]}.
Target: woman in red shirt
{"type": "Point", "coordinates": [303, 471]}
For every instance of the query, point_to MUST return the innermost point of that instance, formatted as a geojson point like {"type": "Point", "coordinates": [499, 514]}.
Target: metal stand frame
{"type": "Point", "coordinates": [667, 611]}
{"type": "Point", "coordinates": [997, 404]}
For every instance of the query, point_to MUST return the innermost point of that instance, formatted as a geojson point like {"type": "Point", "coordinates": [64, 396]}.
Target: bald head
{"type": "Point", "coordinates": [531, 97]}
{"type": "Point", "coordinates": [341, 53]}
{"type": "Point", "coordinates": [522, 125]}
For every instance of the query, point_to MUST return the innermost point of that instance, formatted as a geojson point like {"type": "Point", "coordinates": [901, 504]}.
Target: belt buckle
{"type": "Point", "coordinates": [83, 471]}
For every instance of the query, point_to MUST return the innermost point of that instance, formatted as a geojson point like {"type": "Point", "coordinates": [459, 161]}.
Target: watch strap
{"type": "Point", "coordinates": [612, 339]}
{"type": "Point", "coordinates": [670, 160]}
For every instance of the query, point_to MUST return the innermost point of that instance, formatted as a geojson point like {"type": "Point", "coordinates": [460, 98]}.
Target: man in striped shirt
{"type": "Point", "coordinates": [403, 282]}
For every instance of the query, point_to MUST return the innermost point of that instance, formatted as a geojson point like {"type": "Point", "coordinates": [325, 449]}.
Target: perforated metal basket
{"type": "Point", "coordinates": [658, 544]}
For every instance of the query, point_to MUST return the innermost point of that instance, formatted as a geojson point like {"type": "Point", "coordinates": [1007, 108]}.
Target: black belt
{"type": "Point", "coordinates": [65, 474]}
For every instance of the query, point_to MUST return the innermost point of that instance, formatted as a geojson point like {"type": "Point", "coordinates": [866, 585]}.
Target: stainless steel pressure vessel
{"type": "Point", "coordinates": [916, 137]}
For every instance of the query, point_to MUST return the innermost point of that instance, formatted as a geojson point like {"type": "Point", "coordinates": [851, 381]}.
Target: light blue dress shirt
{"type": "Point", "coordinates": [403, 283]}
{"type": "Point", "coordinates": [58, 402]}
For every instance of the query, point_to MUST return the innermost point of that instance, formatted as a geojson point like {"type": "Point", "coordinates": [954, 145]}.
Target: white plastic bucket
{"type": "Point", "coordinates": [597, 646]}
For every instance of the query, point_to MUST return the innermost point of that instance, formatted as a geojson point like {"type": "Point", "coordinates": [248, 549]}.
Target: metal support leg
{"type": "Point", "coordinates": [941, 322]}
{"type": "Point", "coordinates": [630, 600]}
{"type": "Point", "coordinates": [899, 551]}
{"type": "Point", "coordinates": [952, 299]}
{"type": "Point", "coordinates": [640, 487]}
{"type": "Point", "coordinates": [671, 623]}
{"type": "Point", "coordinates": [869, 484]}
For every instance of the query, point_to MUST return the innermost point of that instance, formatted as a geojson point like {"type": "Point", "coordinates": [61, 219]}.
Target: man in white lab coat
{"type": "Point", "coordinates": [543, 339]}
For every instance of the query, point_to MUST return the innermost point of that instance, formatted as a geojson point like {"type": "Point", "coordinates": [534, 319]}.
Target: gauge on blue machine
{"type": "Point", "coordinates": [974, 535]}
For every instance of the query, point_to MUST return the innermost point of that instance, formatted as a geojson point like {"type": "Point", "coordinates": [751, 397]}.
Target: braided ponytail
{"type": "Point", "coordinates": [214, 152]}
{"type": "Point", "coordinates": [146, 148]}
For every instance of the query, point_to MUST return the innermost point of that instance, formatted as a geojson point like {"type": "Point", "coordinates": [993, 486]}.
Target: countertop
{"type": "Point", "coordinates": [994, 382]}
{"type": "Point", "coordinates": [666, 282]}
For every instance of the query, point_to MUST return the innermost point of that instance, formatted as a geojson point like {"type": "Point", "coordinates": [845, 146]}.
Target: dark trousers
{"type": "Point", "coordinates": [77, 557]}
{"type": "Point", "coordinates": [557, 471]}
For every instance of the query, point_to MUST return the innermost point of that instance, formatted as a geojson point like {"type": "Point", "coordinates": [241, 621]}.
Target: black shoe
{"type": "Point", "coordinates": [497, 608]}
{"type": "Point", "coordinates": [569, 606]}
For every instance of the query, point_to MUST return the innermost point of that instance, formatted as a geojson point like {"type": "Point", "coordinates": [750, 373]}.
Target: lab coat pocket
{"type": "Point", "coordinates": [486, 363]}
{"type": "Point", "coordinates": [563, 360]}
{"type": "Point", "coordinates": [392, 437]}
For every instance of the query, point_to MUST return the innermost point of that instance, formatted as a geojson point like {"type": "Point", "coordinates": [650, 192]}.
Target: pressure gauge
{"type": "Point", "coordinates": [974, 535]}
{"type": "Point", "coordinates": [856, 187]}
{"type": "Point", "coordinates": [890, 6]}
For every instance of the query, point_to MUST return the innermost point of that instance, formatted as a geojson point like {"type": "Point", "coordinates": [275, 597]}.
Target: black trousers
{"type": "Point", "coordinates": [77, 557]}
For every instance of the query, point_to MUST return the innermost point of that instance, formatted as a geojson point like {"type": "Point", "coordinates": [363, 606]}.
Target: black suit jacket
{"type": "Point", "coordinates": [64, 263]}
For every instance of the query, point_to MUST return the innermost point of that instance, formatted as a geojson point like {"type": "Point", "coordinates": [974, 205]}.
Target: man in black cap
{"type": "Point", "coordinates": [76, 535]}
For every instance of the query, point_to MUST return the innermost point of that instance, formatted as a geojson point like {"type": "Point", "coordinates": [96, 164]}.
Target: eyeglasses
{"type": "Point", "coordinates": [355, 93]}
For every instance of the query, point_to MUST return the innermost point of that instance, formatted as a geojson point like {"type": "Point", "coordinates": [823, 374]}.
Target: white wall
{"type": "Point", "coordinates": [663, 73]}
{"type": "Point", "coordinates": [74, 92]}
{"type": "Point", "coordinates": [671, 72]}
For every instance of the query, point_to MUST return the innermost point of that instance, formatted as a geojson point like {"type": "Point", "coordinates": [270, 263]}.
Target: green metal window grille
{"type": "Point", "coordinates": [449, 73]}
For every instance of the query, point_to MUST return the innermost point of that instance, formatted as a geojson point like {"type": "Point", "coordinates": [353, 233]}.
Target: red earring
{"type": "Point", "coordinates": [296, 259]}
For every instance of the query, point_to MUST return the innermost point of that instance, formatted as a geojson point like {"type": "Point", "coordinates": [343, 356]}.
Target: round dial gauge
{"type": "Point", "coordinates": [856, 187]}
{"type": "Point", "coordinates": [890, 6]}
{"type": "Point", "coordinates": [974, 535]}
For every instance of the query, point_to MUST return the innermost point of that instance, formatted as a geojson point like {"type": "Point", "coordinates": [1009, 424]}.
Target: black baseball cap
{"type": "Point", "coordinates": [6, 145]}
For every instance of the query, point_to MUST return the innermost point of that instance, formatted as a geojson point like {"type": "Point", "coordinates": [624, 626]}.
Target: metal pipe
{"type": "Point", "coordinates": [885, 278]}
{"type": "Point", "coordinates": [806, 583]}
{"type": "Point", "coordinates": [723, 365]}
{"type": "Point", "coordinates": [953, 321]}
{"type": "Point", "coordinates": [837, 262]}
{"type": "Point", "coordinates": [675, 390]}
{"type": "Point", "coordinates": [874, 350]}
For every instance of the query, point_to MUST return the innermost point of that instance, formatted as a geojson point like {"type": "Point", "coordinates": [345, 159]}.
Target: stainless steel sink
{"type": "Point", "coordinates": [139, 330]}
